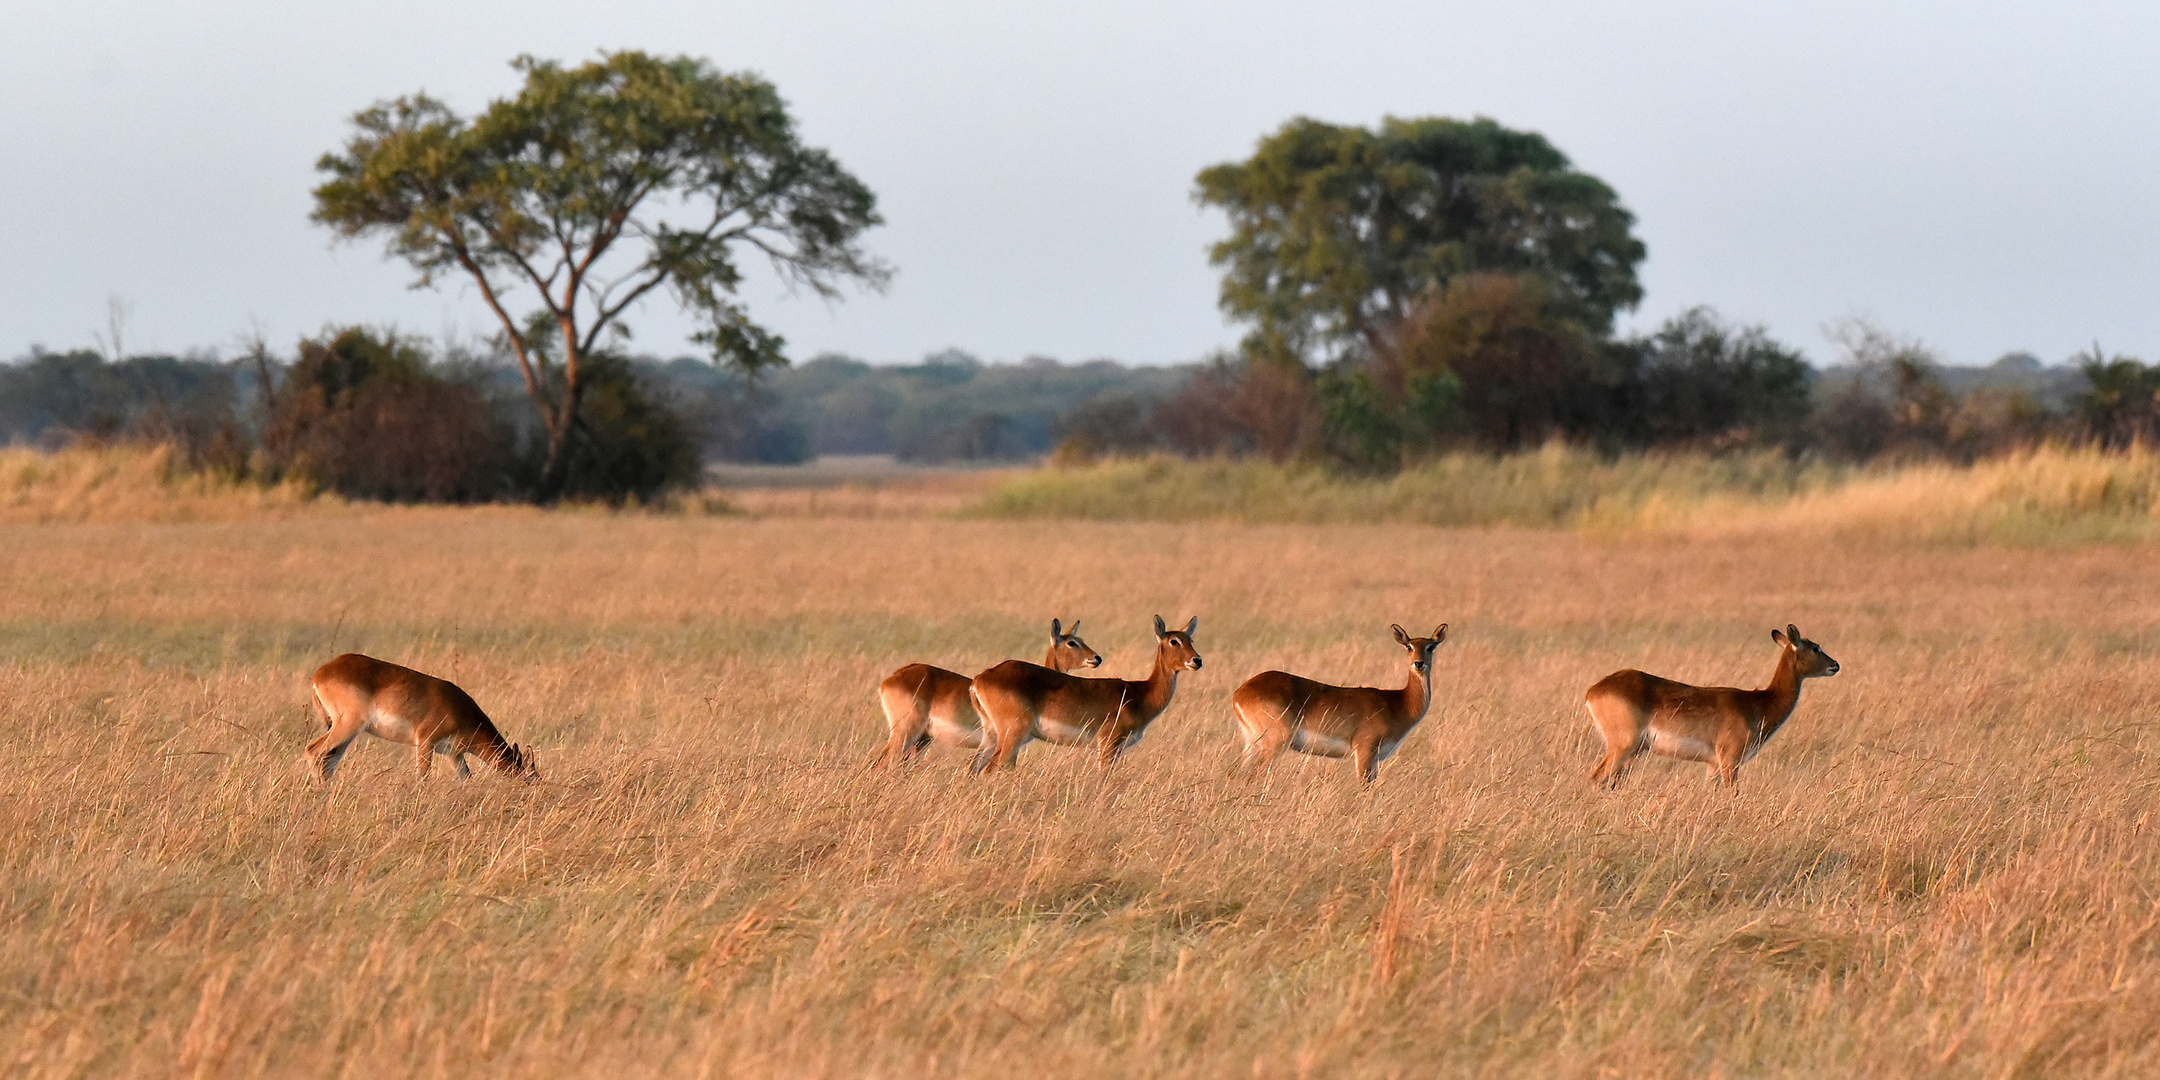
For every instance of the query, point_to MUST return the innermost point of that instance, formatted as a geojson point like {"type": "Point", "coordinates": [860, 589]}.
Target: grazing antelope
{"type": "Point", "coordinates": [358, 693]}
{"type": "Point", "coordinates": [1020, 702]}
{"type": "Point", "coordinates": [1276, 709]}
{"type": "Point", "coordinates": [924, 703]}
{"type": "Point", "coordinates": [1720, 725]}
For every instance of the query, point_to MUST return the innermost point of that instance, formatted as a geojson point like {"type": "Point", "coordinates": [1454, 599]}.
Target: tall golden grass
{"type": "Point", "coordinates": [2038, 495]}
{"type": "Point", "coordinates": [128, 482]}
{"type": "Point", "coordinates": [1945, 865]}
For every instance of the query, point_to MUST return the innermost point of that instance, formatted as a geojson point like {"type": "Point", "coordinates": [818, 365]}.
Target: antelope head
{"type": "Point", "coordinates": [519, 762]}
{"type": "Point", "coordinates": [1177, 645]}
{"type": "Point", "coordinates": [1066, 641]}
{"type": "Point", "coordinates": [1421, 649]}
{"type": "Point", "coordinates": [1809, 661]}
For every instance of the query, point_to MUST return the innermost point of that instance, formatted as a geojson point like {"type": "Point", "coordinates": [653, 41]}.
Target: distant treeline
{"type": "Point", "coordinates": [1697, 384]}
{"type": "Point", "coordinates": [948, 407]}
{"type": "Point", "coordinates": [368, 414]}
{"type": "Point", "coordinates": [378, 415]}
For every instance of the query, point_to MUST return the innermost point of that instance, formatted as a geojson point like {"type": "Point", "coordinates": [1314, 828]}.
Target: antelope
{"type": "Point", "coordinates": [924, 703]}
{"type": "Point", "coordinates": [356, 693]}
{"type": "Point", "coordinates": [1719, 725]}
{"type": "Point", "coordinates": [1020, 702]}
{"type": "Point", "coordinates": [1276, 709]}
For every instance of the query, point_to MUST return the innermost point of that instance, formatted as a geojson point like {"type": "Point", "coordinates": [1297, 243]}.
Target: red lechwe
{"type": "Point", "coordinates": [358, 693]}
{"type": "Point", "coordinates": [1720, 725]}
{"type": "Point", "coordinates": [1021, 702]}
{"type": "Point", "coordinates": [924, 704]}
{"type": "Point", "coordinates": [1277, 710]}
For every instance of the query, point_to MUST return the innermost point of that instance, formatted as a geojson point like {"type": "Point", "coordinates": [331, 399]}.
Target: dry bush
{"type": "Point", "coordinates": [1240, 409]}
{"type": "Point", "coordinates": [364, 414]}
{"type": "Point", "coordinates": [1944, 866]}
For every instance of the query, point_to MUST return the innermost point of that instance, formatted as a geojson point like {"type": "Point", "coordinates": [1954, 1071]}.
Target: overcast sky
{"type": "Point", "coordinates": [1982, 176]}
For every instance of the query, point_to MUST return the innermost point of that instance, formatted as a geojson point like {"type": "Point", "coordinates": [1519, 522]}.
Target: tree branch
{"type": "Point", "coordinates": [494, 303]}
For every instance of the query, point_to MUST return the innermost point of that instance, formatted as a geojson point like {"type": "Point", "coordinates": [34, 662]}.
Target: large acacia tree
{"type": "Point", "coordinates": [591, 188]}
{"type": "Point", "coordinates": [1338, 231]}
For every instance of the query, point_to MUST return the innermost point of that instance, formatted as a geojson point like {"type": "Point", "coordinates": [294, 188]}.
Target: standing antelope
{"type": "Point", "coordinates": [358, 693]}
{"type": "Point", "coordinates": [1276, 709]}
{"type": "Point", "coordinates": [923, 703]}
{"type": "Point", "coordinates": [1720, 725]}
{"type": "Point", "coordinates": [1020, 702]}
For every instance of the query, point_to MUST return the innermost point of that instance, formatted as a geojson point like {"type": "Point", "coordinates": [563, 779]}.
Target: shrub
{"type": "Point", "coordinates": [1242, 408]}
{"type": "Point", "coordinates": [1524, 369]}
{"type": "Point", "coordinates": [1701, 382]}
{"type": "Point", "coordinates": [1892, 400]}
{"type": "Point", "coordinates": [363, 414]}
{"type": "Point", "coordinates": [2123, 406]}
{"type": "Point", "coordinates": [1118, 424]}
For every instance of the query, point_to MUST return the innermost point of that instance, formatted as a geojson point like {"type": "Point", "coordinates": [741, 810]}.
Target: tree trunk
{"type": "Point", "coordinates": [555, 472]}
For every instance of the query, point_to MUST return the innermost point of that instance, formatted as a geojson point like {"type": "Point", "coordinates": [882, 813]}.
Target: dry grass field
{"type": "Point", "coordinates": [1945, 865]}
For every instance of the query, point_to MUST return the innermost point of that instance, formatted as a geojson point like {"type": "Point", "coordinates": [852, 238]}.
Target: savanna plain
{"type": "Point", "coordinates": [1944, 865]}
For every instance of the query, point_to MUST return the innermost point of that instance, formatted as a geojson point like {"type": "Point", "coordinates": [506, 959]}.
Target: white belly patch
{"type": "Point", "coordinates": [1308, 741]}
{"type": "Point", "coordinates": [1061, 733]}
{"type": "Point", "coordinates": [386, 725]}
{"type": "Point", "coordinates": [944, 730]}
{"type": "Point", "coordinates": [1675, 745]}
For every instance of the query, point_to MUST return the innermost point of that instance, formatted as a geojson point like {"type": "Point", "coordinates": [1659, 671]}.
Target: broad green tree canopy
{"type": "Point", "coordinates": [592, 187]}
{"type": "Point", "coordinates": [1337, 230]}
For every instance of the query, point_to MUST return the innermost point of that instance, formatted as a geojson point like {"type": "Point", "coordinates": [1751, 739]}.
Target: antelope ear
{"type": "Point", "coordinates": [1055, 633]}
{"type": "Point", "coordinates": [1401, 638]}
{"type": "Point", "coordinates": [1778, 636]}
{"type": "Point", "coordinates": [1792, 634]}
{"type": "Point", "coordinates": [1074, 629]}
{"type": "Point", "coordinates": [1439, 634]}
{"type": "Point", "coordinates": [1192, 625]}
{"type": "Point", "coordinates": [1160, 629]}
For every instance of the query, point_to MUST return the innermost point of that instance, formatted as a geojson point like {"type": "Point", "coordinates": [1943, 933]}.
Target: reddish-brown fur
{"type": "Point", "coordinates": [1721, 725]}
{"type": "Point", "coordinates": [356, 693]}
{"type": "Point", "coordinates": [1021, 702]}
{"type": "Point", "coordinates": [924, 703]}
{"type": "Point", "coordinates": [1276, 710]}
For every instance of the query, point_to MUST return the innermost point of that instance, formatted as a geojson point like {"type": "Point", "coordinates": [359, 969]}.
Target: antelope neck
{"type": "Point", "coordinates": [1416, 692]}
{"type": "Point", "coordinates": [1156, 689]}
{"type": "Point", "coordinates": [1783, 693]}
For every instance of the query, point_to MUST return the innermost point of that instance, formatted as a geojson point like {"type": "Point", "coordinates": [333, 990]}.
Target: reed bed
{"type": "Point", "coordinates": [129, 482]}
{"type": "Point", "coordinates": [1943, 866]}
{"type": "Point", "coordinates": [2042, 495]}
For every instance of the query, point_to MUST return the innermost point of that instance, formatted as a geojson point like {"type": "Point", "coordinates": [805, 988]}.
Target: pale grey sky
{"type": "Point", "coordinates": [1983, 176]}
